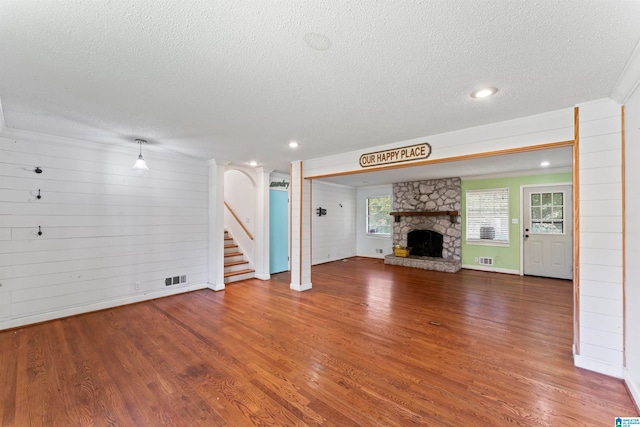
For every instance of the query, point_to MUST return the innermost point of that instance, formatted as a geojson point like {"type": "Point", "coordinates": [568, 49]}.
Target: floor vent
{"type": "Point", "coordinates": [485, 261]}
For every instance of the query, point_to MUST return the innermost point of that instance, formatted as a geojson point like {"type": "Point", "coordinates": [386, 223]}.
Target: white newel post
{"type": "Point", "coordinates": [216, 225]}
{"type": "Point", "coordinates": [300, 221]}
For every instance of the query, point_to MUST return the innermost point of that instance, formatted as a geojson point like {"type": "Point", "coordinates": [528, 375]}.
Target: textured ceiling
{"type": "Point", "coordinates": [237, 80]}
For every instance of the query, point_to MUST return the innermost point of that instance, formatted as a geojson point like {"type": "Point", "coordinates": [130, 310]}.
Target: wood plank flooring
{"type": "Point", "coordinates": [360, 348]}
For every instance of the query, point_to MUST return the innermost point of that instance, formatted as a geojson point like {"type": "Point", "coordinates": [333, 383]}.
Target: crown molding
{"type": "Point", "coordinates": [629, 78]}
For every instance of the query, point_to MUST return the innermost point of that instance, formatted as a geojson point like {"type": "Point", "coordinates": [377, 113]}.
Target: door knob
{"type": "Point", "coordinates": [526, 235]}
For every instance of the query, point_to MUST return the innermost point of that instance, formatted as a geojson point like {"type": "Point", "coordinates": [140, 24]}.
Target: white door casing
{"type": "Point", "coordinates": [548, 231]}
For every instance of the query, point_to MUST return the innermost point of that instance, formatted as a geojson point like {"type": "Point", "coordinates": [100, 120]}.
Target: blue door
{"type": "Point", "coordinates": [278, 231]}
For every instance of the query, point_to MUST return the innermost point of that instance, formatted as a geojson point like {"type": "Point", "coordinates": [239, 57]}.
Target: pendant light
{"type": "Point", "coordinates": [140, 164]}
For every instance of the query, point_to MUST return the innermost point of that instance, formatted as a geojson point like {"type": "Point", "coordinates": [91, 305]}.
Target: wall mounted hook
{"type": "Point", "coordinates": [37, 169]}
{"type": "Point", "coordinates": [39, 231]}
{"type": "Point", "coordinates": [38, 196]}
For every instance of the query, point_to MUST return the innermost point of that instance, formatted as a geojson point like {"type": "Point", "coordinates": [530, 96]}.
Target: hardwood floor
{"type": "Point", "coordinates": [369, 345]}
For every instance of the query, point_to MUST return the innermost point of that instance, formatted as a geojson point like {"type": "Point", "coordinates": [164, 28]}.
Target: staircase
{"type": "Point", "coordinates": [236, 267]}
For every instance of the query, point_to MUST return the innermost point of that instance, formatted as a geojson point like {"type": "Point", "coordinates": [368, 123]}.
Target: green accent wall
{"type": "Point", "coordinates": [504, 257]}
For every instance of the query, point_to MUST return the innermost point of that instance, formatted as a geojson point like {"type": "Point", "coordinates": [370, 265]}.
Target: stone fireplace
{"type": "Point", "coordinates": [426, 224]}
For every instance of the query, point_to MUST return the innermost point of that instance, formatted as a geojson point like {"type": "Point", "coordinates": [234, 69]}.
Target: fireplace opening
{"type": "Point", "coordinates": [425, 243]}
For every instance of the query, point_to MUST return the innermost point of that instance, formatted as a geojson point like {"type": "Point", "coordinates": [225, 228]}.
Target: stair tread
{"type": "Point", "coordinates": [232, 263]}
{"type": "Point", "coordinates": [233, 254]}
{"type": "Point", "coordinates": [237, 273]}
{"type": "Point", "coordinates": [230, 246]}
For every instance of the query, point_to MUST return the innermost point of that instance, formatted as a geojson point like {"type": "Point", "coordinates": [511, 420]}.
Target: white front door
{"type": "Point", "coordinates": [548, 231]}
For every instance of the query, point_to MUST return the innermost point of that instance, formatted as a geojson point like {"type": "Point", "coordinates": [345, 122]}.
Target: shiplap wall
{"type": "Point", "coordinates": [600, 262]}
{"type": "Point", "coordinates": [632, 244]}
{"type": "Point", "coordinates": [110, 235]}
{"type": "Point", "coordinates": [334, 234]}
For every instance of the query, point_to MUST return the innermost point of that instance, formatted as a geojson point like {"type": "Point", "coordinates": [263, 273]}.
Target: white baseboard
{"type": "Point", "coordinates": [300, 288]}
{"type": "Point", "coordinates": [263, 276]}
{"type": "Point", "coordinates": [491, 269]}
{"type": "Point", "coordinates": [633, 386]}
{"type": "Point", "coordinates": [598, 366]}
{"type": "Point", "coordinates": [102, 305]}
{"type": "Point", "coordinates": [216, 286]}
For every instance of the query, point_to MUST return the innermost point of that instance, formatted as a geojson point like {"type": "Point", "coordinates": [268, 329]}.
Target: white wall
{"type": "Point", "coordinates": [368, 244]}
{"type": "Point", "coordinates": [334, 234]}
{"type": "Point", "coordinates": [110, 236]}
{"type": "Point", "coordinates": [632, 244]}
{"type": "Point", "coordinates": [240, 195]}
{"type": "Point", "coordinates": [600, 261]}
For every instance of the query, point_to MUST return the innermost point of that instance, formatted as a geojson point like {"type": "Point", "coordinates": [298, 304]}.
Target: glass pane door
{"type": "Point", "coordinates": [547, 213]}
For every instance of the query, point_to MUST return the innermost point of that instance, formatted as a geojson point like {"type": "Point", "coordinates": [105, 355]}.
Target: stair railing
{"type": "Point", "coordinates": [238, 219]}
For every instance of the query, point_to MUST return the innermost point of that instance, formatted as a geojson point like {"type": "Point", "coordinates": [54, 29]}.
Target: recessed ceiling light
{"type": "Point", "coordinates": [253, 163]}
{"type": "Point", "coordinates": [484, 92]}
{"type": "Point", "coordinates": [317, 41]}
{"type": "Point", "coordinates": [545, 164]}
{"type": "Point", "coordinates": [293, 144]}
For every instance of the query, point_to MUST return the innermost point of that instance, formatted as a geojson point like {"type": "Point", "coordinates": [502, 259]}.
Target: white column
{"type": "Point", "coordinates": [300, 229]}
{"type": "Point", "coordinates": [216, 225]}
{"type": "Point", "coordinates": [601, 345]}
{"type": "Point", "coordinates": [261, 243]}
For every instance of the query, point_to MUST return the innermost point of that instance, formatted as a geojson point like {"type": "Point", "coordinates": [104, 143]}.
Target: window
{"type": "Point", "coordinates": [488, 215]}
{"type": "Point", "coordinates": [378, 218]}
{"type": "Point", "coordinates": [547, 213]}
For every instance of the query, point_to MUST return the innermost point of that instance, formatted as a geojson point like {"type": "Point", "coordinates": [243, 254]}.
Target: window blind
{"type": "Point", "coordinates": [487, 215]}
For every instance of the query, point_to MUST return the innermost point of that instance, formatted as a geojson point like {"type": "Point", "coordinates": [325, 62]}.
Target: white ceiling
{"type": "Point", "coordinates": [237, 80]}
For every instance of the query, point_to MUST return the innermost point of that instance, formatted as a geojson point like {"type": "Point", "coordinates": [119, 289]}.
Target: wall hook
{"type": "Point", "coordinates": [39, 231]}
{"type": "Point", "coordinates": [321, 211]}
{"type": "Point", "coordinates": [38, 196]}
{"type": "Point", "coordinates": [37, 169]}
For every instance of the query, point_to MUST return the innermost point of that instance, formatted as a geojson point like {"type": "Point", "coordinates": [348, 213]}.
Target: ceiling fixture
{"type": "Point", "coordinates": [293, 144]}
{"type": "Point", "coordinates": [317, 41]}
{"type": "Point", "coordinates": [253, 163]}
{"type": "Point", "coordinates": [545, 164]}
{"type": "Point", "coordinates": [484, 92]}
{"type": "Point", "coordinates": [140, 164]}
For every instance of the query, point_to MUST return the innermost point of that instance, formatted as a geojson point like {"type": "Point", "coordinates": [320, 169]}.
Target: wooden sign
{"type": "Point", "coordinates": [396, 155]}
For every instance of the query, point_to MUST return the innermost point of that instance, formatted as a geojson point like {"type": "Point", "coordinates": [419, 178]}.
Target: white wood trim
{"type": "Point", "coordinates": [73, 311]}
{"type": "Point", "coordinates": [491, 269]}
{"type": "Point", "coordinates": [610, 369]}
{"type": "Point", "coordinates": [634, 388]}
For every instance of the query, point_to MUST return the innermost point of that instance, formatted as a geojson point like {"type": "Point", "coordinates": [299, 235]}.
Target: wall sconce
{"type": "Point", "coordinates": [140, 164]}
{"type": "Point", "coordinates": [321, 211]}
